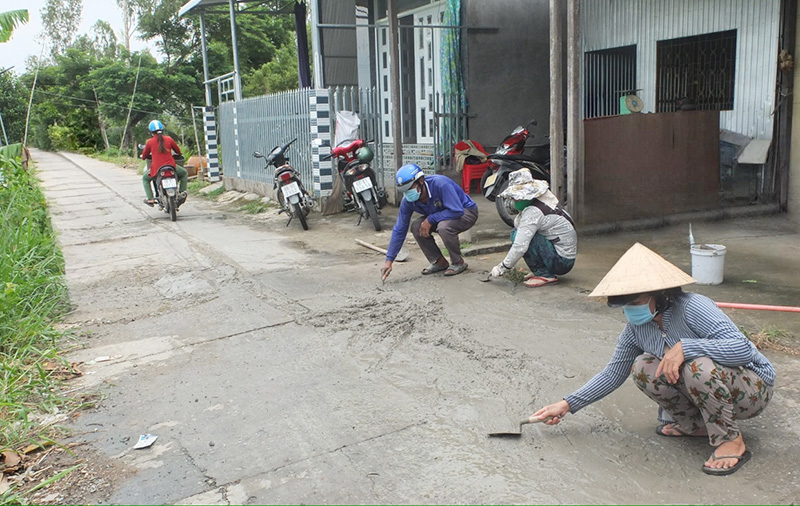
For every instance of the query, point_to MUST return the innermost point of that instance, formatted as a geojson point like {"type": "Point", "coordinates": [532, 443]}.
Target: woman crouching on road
{"type": "Point", "coordinates": [682, 352]}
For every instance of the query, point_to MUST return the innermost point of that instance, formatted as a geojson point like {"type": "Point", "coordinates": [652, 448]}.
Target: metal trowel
{"type": "Point", "coordinates": [518, 433]}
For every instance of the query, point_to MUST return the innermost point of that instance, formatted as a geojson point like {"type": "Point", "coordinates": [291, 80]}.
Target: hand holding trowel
{"type": "Point", "coordinates": [402, 256]}
{"type": "Point", "coordinates": [531, 419]}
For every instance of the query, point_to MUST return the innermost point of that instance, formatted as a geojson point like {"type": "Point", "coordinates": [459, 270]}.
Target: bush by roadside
{"type": "Point", "coordinates": [33, 296]}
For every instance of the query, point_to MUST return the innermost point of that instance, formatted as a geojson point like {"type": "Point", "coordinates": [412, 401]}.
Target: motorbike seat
{"type": "Point", "coordinates": [343, 149]}
{"type": "Point", "coordinates": [518, 158]}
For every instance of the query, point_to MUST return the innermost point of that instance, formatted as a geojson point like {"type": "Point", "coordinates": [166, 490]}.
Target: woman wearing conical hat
{"type": "Point", "coordinates": [544, 234]}
{"type": "Point", "coordinates": [682, 352]}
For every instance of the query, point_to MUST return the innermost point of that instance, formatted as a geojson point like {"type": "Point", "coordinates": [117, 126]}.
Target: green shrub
{"type": "Point", "coordinates": [62, 138]}
{"type": "Point", "coordinates": [32, 297]}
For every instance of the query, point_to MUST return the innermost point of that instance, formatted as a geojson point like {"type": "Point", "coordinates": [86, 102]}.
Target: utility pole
{"type": "Point", "coordinates": [556, 104]}
{"type": "Point", "coordinates": [394, 76]}
{"type": "Point", "coordinates": [237, 79]}
{"type": "Point", "coordinates": [574, 123]}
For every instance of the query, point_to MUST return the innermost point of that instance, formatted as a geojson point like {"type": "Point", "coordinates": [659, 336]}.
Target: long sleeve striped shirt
{"type": "Point", "coordinates": [702, 328]}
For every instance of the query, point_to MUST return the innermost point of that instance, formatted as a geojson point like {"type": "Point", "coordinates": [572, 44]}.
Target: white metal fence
{"type": "Point", "coordinates": [261, 123]}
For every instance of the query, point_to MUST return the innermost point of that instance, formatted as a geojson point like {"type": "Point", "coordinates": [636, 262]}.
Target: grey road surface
{"type": "Point", "coordinates": [276, 368]}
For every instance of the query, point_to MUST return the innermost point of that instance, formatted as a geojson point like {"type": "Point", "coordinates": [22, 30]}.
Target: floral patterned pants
{"type": "Point", "coordinates": [707, 394]}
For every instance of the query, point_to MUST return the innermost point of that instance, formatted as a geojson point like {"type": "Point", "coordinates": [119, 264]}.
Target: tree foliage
{"type": "Point", "coordinates": [61, 19]}
{"type": "Point", "coordinates": [83, 92]}
{"type": "Point", "coordinates": [13, 106]}
{"type": "Point", "coordinates": [9, 21]}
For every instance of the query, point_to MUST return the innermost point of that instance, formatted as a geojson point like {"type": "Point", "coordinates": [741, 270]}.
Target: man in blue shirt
{"type": "Point", "coordinates": [445, 209]}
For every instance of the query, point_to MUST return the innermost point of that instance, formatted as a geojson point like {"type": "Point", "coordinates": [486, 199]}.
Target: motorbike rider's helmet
{"type": "Point", "coordinates": [407, 175]}
{"type": "Point", "coordinates": [155, 126]}
{"type": "Point", "coordinates": [364, 154]}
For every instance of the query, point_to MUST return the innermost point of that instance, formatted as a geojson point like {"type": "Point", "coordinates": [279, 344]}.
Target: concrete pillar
{"type": "Point", "coordinates": [793, 199]}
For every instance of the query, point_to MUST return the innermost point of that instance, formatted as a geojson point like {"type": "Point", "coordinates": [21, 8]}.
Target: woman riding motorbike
{"type": "Point", "coordinates": [161, 147]}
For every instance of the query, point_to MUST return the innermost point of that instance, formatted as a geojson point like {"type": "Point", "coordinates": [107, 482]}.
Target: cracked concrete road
{"type": "Point", "coordinates": [275, 369]}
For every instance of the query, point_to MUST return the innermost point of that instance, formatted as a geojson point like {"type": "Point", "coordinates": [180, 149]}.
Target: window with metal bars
{"type": "Point", "coordinates": [696, 72]}
{"type": "Point", "coordinates": [610, 74]}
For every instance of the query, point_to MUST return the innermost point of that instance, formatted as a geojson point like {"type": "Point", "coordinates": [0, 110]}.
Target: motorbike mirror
{"type": "Point", "coordinates": [141, 146]}
{"type": "Point", "coordinates": [256, 154]}
{"type": "Point", "coordinates": [533, 122]}
{"type": "Point", "coordinates": [319, 142]}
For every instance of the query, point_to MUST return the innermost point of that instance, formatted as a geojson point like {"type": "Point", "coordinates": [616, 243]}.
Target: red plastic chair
{"type": "Point", "coordinates": [471, 171]}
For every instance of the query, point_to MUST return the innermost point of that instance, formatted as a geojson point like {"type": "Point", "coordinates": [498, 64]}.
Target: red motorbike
{"type": "Point", "coordinates": [509, 157]}
{"type": "Point", "coordinates": [361, 193]}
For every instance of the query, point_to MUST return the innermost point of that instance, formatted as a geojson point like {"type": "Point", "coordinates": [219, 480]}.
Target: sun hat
{"type": "Point", "coordinates": [522, 186]}
{"type": "Point", "coordinates": [640, 270]}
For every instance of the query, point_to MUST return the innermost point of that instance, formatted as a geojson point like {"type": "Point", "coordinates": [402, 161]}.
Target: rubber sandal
{"type": "Point", "coordinates": [680, 432]}
{"type": "Point", "coordinates": [537, 281]}
{"type": "Point", "coordinates": [432, 269]}
{"type": "Point", "coordinates": [150, 203]}
{"type": "Point", "coordinates": [456, 269]}
{"type": "Point", "coordinates": [722, 471]}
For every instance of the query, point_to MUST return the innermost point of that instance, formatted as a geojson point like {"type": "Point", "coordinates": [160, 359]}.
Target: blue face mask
{"type": "Point", "coordinates": [412, 195]}
{"type": "Point", "coordinates": [638, 315]}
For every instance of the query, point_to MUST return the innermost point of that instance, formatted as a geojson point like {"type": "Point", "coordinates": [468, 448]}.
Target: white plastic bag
{"type": "Point", "coordinates": [347, 123]}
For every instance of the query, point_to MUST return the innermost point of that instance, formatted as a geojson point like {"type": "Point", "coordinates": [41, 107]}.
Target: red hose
{"type": "Point", "coordinates": [736, 305]}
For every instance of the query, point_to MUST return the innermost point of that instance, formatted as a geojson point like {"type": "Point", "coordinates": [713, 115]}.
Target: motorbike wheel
{"type": "Point", "coordinates": [173, 209]}
{"type": "Point", "coordinates": [301, 215]}
{"type": "Point", "coordinates": [373, 214]}
{"type": "Point", "coordinates": [505, 206]}
{"type": "Point", "coordinates": [485, 176]}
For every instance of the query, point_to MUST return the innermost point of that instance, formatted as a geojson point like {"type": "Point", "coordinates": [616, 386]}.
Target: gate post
{"type": "Point", "coordinates": [320, 115]}
{"type": "Point", "coordinates": [210, 130]}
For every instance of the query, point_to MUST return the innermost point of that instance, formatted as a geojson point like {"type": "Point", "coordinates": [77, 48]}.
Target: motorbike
{"type": "Point", "coordinates": [165, 188]}
{"type": "Point", "coordinates": [509, 157]}
{"type": "Point", "coordinates": [292, 195]}
{"type": "Point", "coordinates": [361, 193]}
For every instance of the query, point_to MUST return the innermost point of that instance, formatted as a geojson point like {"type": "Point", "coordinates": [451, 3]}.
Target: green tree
{"type": "Point", "coordinates": [61, 19]}
{"type": "Point", "coordinates": [176, 38]}
{"type": "Point", "coordinates": [13, 106]}
{"type": "Point", "coordinates": [278, 75]}
{"type": "Point", "coordinates": [9, 20]}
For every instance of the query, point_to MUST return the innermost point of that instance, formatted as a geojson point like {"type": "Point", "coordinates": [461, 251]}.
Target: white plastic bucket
{"type": "Point", "coordinates": [708, 263]}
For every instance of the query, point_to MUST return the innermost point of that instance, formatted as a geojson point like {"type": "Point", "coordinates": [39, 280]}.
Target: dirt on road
{"type": "Point", "coordinates": [275, 367]}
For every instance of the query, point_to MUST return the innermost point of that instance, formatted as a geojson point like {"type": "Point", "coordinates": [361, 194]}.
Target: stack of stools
{"type": "Point", "coordinates": [474, 170]}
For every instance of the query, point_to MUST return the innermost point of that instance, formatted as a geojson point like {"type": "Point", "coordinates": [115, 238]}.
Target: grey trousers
{"type": "Point", "coordinates": [448, 230]}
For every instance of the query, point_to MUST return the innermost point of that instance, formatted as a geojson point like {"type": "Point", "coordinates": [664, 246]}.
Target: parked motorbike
{"type": "Point", "coordinates": [165, 188]}
{"type": "Point", "coordinates": [509, 157]}
{"type": "Point", "coordinates": [361, 193]}
{"type": "Point", "coordinates": [292, 195]}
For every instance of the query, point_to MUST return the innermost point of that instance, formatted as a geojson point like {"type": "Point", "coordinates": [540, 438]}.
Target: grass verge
{"type": "Point", "coordinates": [772, 338]}
{"type": "Point", "coordinates": [33, 296]}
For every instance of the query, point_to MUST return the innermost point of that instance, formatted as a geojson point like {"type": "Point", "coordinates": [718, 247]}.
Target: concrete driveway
{"type": "Point", "coordinates": [276, 368]}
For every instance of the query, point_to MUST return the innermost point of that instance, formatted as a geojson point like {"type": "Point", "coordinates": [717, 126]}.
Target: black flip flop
{"type": "Point", "coordinates": [722, 471]}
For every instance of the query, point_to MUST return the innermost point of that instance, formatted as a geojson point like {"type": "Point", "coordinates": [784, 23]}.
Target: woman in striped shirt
{"type": "Point", "coordinates": [684, 353]}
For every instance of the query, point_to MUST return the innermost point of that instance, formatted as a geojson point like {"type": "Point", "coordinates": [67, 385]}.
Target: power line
{"type": "Point", "coordinates": [106, 104]}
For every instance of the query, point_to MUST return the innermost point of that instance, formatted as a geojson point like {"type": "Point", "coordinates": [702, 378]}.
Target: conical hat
{"type": "Point", "coordinates": [640, 270]}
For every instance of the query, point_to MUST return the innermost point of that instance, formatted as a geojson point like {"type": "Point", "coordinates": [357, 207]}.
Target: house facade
{"type": "Point", "coordinates": [687, 56]}
{"type": "Point", "coordinates": [467, 67]}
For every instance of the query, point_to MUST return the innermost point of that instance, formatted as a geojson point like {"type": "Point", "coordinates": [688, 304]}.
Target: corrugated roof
{"type": "Point", "coordinates": [194, 5]}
